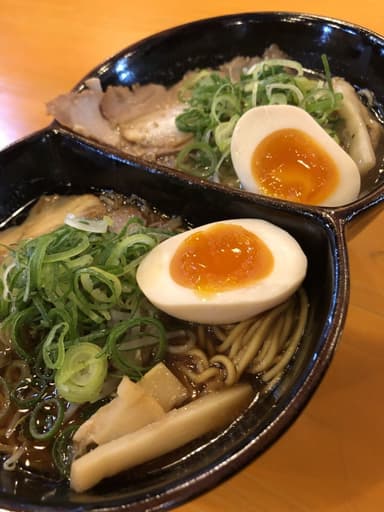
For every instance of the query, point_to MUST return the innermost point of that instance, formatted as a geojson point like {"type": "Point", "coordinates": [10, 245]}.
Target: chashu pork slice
{"type": "Point", "coordinates": [121, 104]}
{"type": "Point", "coordinates": [48, 214]}
{"type": "Point", "coordinates": [154, 131]}
{"type": "Point", "coordinates": [80, 111]}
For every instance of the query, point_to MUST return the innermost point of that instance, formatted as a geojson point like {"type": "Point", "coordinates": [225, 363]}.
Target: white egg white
{"type": "Point", "coordinates": [289, 269]}
{"type": "Point", "coordinates": [259, 122]}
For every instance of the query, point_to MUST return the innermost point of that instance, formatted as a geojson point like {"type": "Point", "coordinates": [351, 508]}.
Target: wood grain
{"type": "Point", "coordinates": [331, 460]}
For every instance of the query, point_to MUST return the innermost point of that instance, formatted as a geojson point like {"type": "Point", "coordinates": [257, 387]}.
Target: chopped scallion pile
{"type": "Point", "coordinates": [62, 293]}
{"type": "Point", "coordinates": [214, 104]}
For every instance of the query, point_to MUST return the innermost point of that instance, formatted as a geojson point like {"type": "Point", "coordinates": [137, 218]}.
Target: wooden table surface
{"type": "Point", "coordinates": [332, 458]}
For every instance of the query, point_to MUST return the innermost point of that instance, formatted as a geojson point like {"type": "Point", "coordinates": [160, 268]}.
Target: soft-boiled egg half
{"type": "Point", "coordinates": [281, 151]}
{"type": "Point", "coordinates": [223, 272]}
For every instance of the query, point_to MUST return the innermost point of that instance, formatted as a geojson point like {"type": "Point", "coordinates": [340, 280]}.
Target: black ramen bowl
{"type": "Point", "coordinates": [57, 161]}
{"type": "Point", "coordinates": [353, 53]}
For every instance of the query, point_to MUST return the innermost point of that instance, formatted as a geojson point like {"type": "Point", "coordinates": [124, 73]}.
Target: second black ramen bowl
{"type": "Point", "coordinates": [353, 53]}
{"type": "Point", "coordinates": [56, 161]}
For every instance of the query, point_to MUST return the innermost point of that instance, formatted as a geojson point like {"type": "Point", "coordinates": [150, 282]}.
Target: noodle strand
{"type": "Point", "coordinates": [263, 345]}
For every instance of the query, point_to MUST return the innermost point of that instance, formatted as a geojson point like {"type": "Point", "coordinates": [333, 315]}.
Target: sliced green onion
{"type": "Point", "coordinates": [82, 244]}
{"type": "Point", "coordinates": [85, 307]}
{"type": "Point", "coordinates": [57, 282]}
{"type": "Point", "coordinates": [139, 241]}
{"type": "Point", "coordinates": [224, 105]}
{"type": "Point", "coordinates": [85, 260]}
{"type": "Point", "coordinates": [91, 337]}
{"type": "Point", "coordinates": [18, 333]}
{"type": "Point", "coordinates": [46, 418]}
{"type": "Point", "coordinates": [260, 67]}
{"type": "Point", "coordinates": [62, 450]}
{"type": "Point", "coordinates": [225, 157]}
{"type": "Point", "coordinates": [53, 346]}
{"type": "Point", "coordinates": [90, 225]}
{"type": "Point", "coordinates": [197, 158]}
{"type": "Point", "coordinates": [278, 98]}
{"type": "Point", "coordinates": [40, 370]}
{"type": "Point", "coordinates": [41, 307]}
{"type": "Point", "coordinates": [102, 288]}
{"type": "Point", "coordinates": [134, 225]}
{"type": "Point", "coordinates": [253, 88]}
{"type": "Point", "coordinates": [82, 374]}
{"type": "Point", "coordinates": [214, 100]}
{"type": "Point", "coordinates": [67, 314]}
{"type": "Point", "coordinates": [193, 120]}
{"type": "Point", "coordinates": [58, 313]}
{"type": "Point", "coordinates": [137, 328]}
{"type": "Point", "coordinates": [18, 283]}
{"type": "Point", "coordinates": [39, 246]}
{"type": "Point", "coordinates": [285, 87]}
{"type": "Point", "coordinates": [223, 133]}
{"type": "Point", "coordinates": [6, 272]}
{"type": "Point", "coordinates": [327, 71]}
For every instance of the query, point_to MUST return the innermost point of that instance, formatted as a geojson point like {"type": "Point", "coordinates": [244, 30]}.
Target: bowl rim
{"type": "Point", "coordinates": [190, 487]}
{"type": "Point", "coordinates": [348, 211]}
{"type": "Point", "coordinates": [337, 217]}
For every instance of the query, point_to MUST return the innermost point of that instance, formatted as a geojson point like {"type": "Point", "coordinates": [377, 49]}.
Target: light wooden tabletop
{"type": "Point", "coordinates": [331, 459]}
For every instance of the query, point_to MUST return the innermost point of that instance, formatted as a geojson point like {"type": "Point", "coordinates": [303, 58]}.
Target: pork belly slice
{"type": "Point", "coordinates": [139, 120]}
{"type": "Point", "coordinates": [80, 112]}
{"type": "Point", "coordinates": [156, 132]}
{"type": "Point", "coordinates": [121, 104]}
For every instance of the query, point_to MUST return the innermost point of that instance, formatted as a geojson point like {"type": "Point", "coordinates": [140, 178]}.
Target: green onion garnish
{"type": "Point", "coordinates": [124, 340]}
{"type": "Point", "coordinates": [62, 294]}
{"type": "Point", "coordinates": [82, 374]}
{"type": "Point", "coordinates": [62, 450]}
{"type": "Point", "coordinates": [46, 418]}
{"type": "Point", "coordinates": [28, 392]}
{"type": "Point", "coordinates": [214, 103]}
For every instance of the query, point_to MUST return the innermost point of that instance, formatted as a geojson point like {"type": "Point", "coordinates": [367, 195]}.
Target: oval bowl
{"type": "Point", "coordinates": [55, 160]}
{"type": "Point", "coordinates": [353, 53]}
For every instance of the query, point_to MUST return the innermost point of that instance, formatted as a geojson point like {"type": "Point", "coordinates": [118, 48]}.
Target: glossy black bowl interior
{"type": "Point", "coordinates": [353, 53]}
{"type": "Point", "coordinates": [53, 161]}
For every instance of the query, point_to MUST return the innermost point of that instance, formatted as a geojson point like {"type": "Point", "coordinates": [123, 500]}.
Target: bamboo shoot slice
{"type": "Point", "coordinates": [164, 386]}
{"type": "Point", "coordinates": [175, 429]}
{"type": "Point", "coordinates": [360, 145]}
{"type": "Point", "coordinates": [130, 410]}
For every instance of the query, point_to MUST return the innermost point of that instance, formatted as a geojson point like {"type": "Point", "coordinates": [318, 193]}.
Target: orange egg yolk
{"type": "Point", "coordinates": [220, 258]}
{"type": "Point", "coordinates": [290, 165]}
